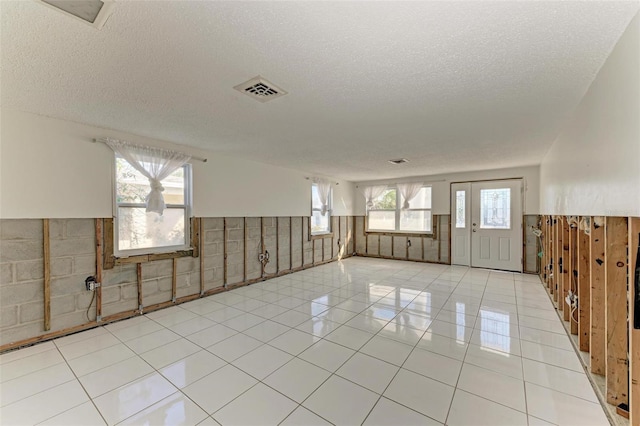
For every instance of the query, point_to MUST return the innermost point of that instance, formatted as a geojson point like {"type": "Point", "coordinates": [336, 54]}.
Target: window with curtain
{"type": "Point", "coordinates": [140, 229]}
{"type": "Point", "coordinates": [391, 212]}
{"type": "Point", "coordinates": [321, 206]}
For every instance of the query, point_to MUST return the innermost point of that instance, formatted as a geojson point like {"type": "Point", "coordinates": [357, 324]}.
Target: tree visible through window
{"type": "Point", "coordinates": [387, 214]}
{"type": "Point", "coordinates": [140, 232]}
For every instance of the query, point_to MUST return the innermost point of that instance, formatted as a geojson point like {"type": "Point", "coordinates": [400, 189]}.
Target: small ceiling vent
{"type": "Point", "coordinates": [260, 89]}
{"type": "Point", "coordinates": [399, 161]}
{"type": "Point", "coordinates": [92, 12]}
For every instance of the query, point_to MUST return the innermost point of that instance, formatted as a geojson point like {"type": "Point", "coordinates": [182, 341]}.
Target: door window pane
{"type": "Point", "coordinates": [382, 220]}
{"type": "Point", "coordinates": [415, 220]}
{"type": "Point", "coordinates": [495, 208]}
{"type": "Point", "coordinates": [460, 209]}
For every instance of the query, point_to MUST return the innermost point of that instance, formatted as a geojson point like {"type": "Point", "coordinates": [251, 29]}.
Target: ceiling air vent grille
{"type": "Point", "coordinates": [260, 89]}
{"type": "Point", "coordinates": [399, 161]}
{"type": "Point", "coordinates": [92, 12]}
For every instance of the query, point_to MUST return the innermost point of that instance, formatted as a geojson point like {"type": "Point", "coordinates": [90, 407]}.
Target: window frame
{"type": "Point", "coordinates": [175, 250]}
{"type": "Point", "coordinates": [329, 213]}
{"type": "Point", "coordinates": [398, 211]}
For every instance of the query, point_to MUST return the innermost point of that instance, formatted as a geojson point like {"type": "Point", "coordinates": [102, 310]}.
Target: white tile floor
{"type": "Point", "coordinates": [363, 341]}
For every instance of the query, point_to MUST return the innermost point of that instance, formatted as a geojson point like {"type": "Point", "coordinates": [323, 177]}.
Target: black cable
{"type": "Point", "coordinates": [90, 304]}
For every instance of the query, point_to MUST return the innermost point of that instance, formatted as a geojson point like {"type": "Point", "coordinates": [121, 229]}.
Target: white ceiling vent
{"type": "Point", "coordinates": [260, 89]}
{"type": "Point", "coordinates": [399, 161]}
{"type": "Point", "coordinates": [92, 12]}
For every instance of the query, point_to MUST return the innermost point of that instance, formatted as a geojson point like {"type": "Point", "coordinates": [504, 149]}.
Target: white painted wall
{"type": "Point", "coordinates": [441, 187]}
{"type": "Point", "coordinates": [50, 169]}
{"type": "Point", "coordinates": [593, 167]}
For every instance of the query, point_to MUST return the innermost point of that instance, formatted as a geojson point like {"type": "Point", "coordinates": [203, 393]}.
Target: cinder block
{"type": "Point", "coordinates": [18, 294]}
{"type": "Point", "coordinates": [129, 291]}
{"type": "Point", "coordinates": [17, 251]}
{"type": "Point", "coordinates": [67, 285]}
{"type": "Point", "coordinates": [63, 305]}
{"type": "Point", "coordinates": [118, 307]}
{"type": "Point", "coordinates": [32, 311]}
{"type": "Point", "coordinates": [110, 294]}
{"type": "Point", "coordinates": [61, 266]}
{"type": "Point", "coordinates": [72, 247]}
{"type": "Point", "coordinates": [253, 222]}
{"type": "Point", "coordinates": [187, 264]}
{"type": "Point", "coordinates": [6, 273]}
{"type": "Point", "coordinates": [214, 236]}
{"type": "Point", "coordinates": [183, 280]}
{"type": "Point", "coordinates": [234, 223]}
{"type": "Point", "coordinates": [62, 321]}
{"type": "Point", "coordinates": [164, 284]}
{"type": "Point", "coordinates": [84, 264]}
{"type": "Point", "coordinates": [83, 300]}
{"type": "Point", "coordinates": [232, 247]}
{"type": "Point", "coordinates": [29, 271]}
{"type": "Point", "coordinates": [21, 332]}
{"type": "Point", "coordinates": [212, 223]}
{"type": "Point", "coordinates": [21, 229]}
{"type": "Point", "coordinates": [213, 261]}
{"type": "Point", "coordinates": [57, 228]}
{"type": "Point", "coordinates": [121, 274]}
{"type": "Point", "coordinates": [81, 228]}
{"type": "Point", "coordinates": [254, 233]}
{"type": "Point", "coordinates": [8, 316]}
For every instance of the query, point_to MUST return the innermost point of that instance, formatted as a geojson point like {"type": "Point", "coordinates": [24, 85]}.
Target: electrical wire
{"type": "Point", "coordinates": [90, 304]}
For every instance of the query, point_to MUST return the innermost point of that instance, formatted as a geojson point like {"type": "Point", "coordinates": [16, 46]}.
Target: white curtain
{"type": "Point", "coordinates": [156, 164]}
{"type": "Point", "coordinates": [373, 192]}
{"type": "Point", "coordinates": [324, 191]}
{"type": "Point", "coordinates": [409, 192]}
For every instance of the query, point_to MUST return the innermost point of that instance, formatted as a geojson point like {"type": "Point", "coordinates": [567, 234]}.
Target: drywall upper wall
{"type": "Point", "coordinates": [441, 187]}
{"type": "Point", "coordinates": [593, 167]}
{"type": "Point", "coordinates": [50, 169]}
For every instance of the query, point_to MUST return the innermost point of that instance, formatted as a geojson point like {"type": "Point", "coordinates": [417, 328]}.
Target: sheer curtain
{"type": "Point", "coordinates": [155, 164]}
{"type": "Point", "coordinates": [372, 192]}
{"type": "Point", "coordinates": [409, 192]}
{"type": "Point", "coordinates": [324, 191]}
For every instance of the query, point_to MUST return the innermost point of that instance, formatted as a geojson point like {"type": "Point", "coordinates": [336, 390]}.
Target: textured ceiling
{"type": "Point", "coordinates": [452, 86]}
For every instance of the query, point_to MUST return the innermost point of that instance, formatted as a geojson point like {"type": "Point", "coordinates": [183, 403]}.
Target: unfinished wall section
{"type": "Point", "coordinates": [227, 253]}
{"type": "Point", "coordinates": [431, 248]}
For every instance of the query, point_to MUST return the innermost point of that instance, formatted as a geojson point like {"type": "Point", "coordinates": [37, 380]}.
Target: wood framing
{"type": "Point", "coordinates": [573, 274]}
{"type": "Point", "coordinates": [616, 235]}
{"type": "Point", "coordinates": [99, 260]}
{"type": "Point", "coordinates": [634, 333]}
{"type": "Point", "coordinates": [201, 255]}
{"type": "Point", "coordinates": [174, 280]}
{"type": "Point", "coordinates": [46, 258]}
{"type": "Point", "coordinates": [224, 251]}
{"type": "Point", "coordinates": [598, 336]}
{"type": "Point", "coordinates": [139, 282]}
{"type": "Point", "coordinates": [584, 287]}
{"type": "Point", "coordinates": [108, 260]}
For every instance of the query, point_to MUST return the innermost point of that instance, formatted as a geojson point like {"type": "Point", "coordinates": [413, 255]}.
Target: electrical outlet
{"type": "Point", "coordinates": [91, 284]}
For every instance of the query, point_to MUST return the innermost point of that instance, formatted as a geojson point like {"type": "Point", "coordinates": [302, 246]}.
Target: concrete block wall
{"type": "Point", "coordinates": [531, 246]}
{"type": "Point", "coordinates": [436, 248]}
{"type": "Point", "coordinates": [73, 258]}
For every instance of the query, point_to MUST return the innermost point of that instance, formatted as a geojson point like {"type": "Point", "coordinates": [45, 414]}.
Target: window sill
{"type": "Point", "coordinates": [401, 234]}
{"type": "Point", "coordinates": [143, 258]}
{"type": "Point", "coordinates": [321, 235]}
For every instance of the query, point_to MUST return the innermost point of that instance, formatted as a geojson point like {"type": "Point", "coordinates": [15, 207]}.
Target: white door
{"type": "Point", "coordinates": [460, 221]}
{"type": "Point", "coordinates": [496, 224]}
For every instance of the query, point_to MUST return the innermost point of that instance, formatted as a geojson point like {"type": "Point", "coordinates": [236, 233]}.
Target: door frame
{"type": "Point", "coordinates": [468, 216]}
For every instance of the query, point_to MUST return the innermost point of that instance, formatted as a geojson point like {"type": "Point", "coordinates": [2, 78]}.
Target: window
{"type": "Point", "coordinates": [460, 209]}
{"type": "Point", "coordinates": [495, 208]}
{"type": "Point", "coordinates": [139, 232]}
{"type": "Point", "coordinates": [320, 223]}
{"type": "Point", "coordinates": [387, 213]}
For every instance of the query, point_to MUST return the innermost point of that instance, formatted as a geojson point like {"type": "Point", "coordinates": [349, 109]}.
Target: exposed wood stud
{"type": "Point", "coordinates": [597, 339]}
{"type": "Point", "coordinates": [378, 245]}
{"type": "Point", "coordinates": [195, 236]}
{"type": "Point", "coordinates": [366, 237]}
{"type": "Point", "coordinates": [109, 260]}
{"type": "Point", "coordinates": [290, 243]}
{"type": "Point", "coordinates": [224, 251]}
{"type": "Point", "coordinates": [422, 246]}
{"type": "Point", "coordinates": [573, 276]}
{"type": "Point", "coordinates": [46, 256]}
{"type": "Point", "coordinates": [302, 239]}
{"type": "Point", "coordinates": [244, 248]}
{"type": "Point", "coordinates": [323, 248]}
{"type": "Point", "coordinates": [616, 235]}
{"type": "Point", "coordinates": [392, 244]}
{"type": "Point", "coordinates": [99, 261]}
{"type": "Point", "coordinates": [584, 291]}
{"type": "Point", "coordinates": [139, 282]}
{"type": "Point", "coordinates": [566, 269]}
{"type": "Point", "coordinates": [174, 281]}
{"type": "Point", "coordinates": [634, 334]}
{"type": "Point", "coordinates": [201, 255]}
{"type": "Point", "coordinates": [277, 244]}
